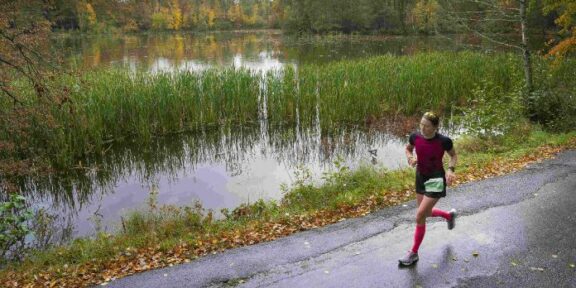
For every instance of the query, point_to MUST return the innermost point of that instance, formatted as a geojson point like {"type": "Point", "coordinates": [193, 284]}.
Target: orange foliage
{"type": "Point", "coordinates": [566, 10]}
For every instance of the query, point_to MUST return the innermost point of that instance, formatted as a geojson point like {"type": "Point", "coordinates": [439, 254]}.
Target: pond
{"type": "Point", "coordinates": [264, 50]}
{"type": "Point", "coordinates": [225, 166]}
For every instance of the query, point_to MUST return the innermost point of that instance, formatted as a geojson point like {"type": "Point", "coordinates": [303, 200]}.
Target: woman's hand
{"type": "Point", "coordinates": [450, 178]}
{"type": "Point", "coordinates": [412, 161]}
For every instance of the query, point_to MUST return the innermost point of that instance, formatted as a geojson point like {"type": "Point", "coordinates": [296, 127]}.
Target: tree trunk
{"type": "Point", "coordinates": [525, 49]}
{"type": "Point", "coordinates": [401, 10]}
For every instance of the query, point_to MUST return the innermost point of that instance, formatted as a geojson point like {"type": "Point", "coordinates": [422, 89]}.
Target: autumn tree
{"type": "Point", "coordinates": [27, 92]}
{"type": "Point", "coordinates": [236, 15]}
{"type": "Point", "coordinates": [86, 16]}
{"type": "Point", "coordinates": [23, 51]}
{"type": "Point", "coordinates": [566, 20]}
{"type": "Point", "coordinates": [176, 16]}
{"type": "Point", "coordinates": [254, 18]}
{"type": "Point", "coordinates": [205, 15]}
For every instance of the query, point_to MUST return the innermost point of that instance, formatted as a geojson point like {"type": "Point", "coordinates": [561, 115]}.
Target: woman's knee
{"type": "Point", "coordinates": [421, 216]}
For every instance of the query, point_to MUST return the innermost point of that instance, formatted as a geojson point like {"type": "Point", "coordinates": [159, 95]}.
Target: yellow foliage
{"type": "Point", "coordinates": [211, 17]}
{"type": "Point", "coordinates": [235, 14]}
{"type": "Point", "coordinates": [130, 26]}
{"type": "Point", "coordinates": [255, 17]}
{"type": "Point", "coordinates": [206, 15]}
{"type": "Point", "coordinates": [86, 16]}
{"type": "Point", "coordinates": [91, 15]}
{"type": "Point", "coordinates": [177, 20]}
{"type": "Point", "coordinates": [176, 13]}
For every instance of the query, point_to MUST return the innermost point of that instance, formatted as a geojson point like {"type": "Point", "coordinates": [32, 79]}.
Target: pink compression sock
{"type": "Point", "coordinates": [418, 237]}
{"type": "Point", "coordinates": [441, 213]}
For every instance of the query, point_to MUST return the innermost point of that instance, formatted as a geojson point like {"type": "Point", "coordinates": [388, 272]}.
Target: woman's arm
{"type": "Point", "coordinates": [410, 155]}
{"type": "Point", "coordinates": [451, 174]}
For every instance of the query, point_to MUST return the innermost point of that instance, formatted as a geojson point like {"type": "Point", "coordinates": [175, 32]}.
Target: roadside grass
{"type": "Point", "coordinates": [164, 235]}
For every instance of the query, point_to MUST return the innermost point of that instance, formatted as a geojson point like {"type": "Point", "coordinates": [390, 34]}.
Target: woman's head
{"type": "Point", "coordinates": [429, 124]}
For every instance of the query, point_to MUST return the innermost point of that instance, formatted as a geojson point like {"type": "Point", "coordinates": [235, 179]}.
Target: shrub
{"type": "Point", "coordinates": [14, 219]}
{"type": "Point", "coordinates": [493, 111]}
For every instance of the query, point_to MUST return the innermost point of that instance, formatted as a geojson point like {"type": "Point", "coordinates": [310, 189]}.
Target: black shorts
{"type": "Point", "coordinates": [435, 192]}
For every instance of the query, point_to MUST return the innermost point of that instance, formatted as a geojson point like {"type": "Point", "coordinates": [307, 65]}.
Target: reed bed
{"type": "Point", "coordinates": [112, 105]}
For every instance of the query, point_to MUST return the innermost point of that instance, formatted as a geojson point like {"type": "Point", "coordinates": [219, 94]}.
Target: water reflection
{"type": "Point", "coordinates": [221, 167]}
{"type": "Point", "coordinates": [260, 51]}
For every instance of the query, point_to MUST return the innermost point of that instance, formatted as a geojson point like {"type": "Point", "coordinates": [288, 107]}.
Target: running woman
{"type": "Point", "coordinates": [431, 178]}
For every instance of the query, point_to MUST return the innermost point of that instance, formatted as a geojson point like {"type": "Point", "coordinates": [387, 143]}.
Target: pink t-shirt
{"type": "Point", "coordinates": [429, 152]}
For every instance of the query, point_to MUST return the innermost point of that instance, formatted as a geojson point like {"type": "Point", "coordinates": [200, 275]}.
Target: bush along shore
{"type": "Point", "coordinates": [168, 235]}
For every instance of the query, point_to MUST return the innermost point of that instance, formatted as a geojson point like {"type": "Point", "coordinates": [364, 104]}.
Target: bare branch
{"type": "Point", "coordinates": [7, 92]}
{"type": "Point", "coordinates": [506, 18]}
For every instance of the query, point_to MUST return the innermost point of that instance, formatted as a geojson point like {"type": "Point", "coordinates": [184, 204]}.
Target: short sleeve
{"type": "Point", "coordinates": [447, 144]}
{"type": "Point", "coordinates": [412, 139]}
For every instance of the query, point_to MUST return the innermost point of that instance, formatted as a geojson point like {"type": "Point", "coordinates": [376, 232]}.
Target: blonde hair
{"type": "Point", "coordinates": [432, 117]}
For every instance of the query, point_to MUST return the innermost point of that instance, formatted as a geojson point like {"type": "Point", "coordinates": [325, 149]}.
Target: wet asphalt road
{"type": "Point", "coordinates": [522, 227]}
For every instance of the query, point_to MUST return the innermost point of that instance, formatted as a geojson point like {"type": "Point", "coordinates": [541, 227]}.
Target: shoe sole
{"type": "Point", "coordinates": [454, 216]}
{"type": "Point", "coordinates": [406, 265]}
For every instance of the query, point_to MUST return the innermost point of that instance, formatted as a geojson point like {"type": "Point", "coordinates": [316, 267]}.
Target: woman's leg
{"type": "Point", "coordinates": [424, 210]}
{"type": "Point", "coordinates": [441, 213]}
{"type": "Point", "coordinates": [419, 198]}
{"type": "Point", "coordinates": [425, 205]}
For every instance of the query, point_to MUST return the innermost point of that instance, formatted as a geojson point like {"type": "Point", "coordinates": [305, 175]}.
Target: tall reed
{"type": "Point", "coordinates": [114, 105]}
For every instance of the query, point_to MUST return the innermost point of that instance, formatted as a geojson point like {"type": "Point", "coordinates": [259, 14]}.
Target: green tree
{"type": "Point", "coordinates": [425, 15]}
{"type": "Point", "coordinates": [161, 19]}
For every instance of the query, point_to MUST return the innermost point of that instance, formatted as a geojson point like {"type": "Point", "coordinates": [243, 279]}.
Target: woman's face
{"type": "Point", "coordinates": [427, 128]}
